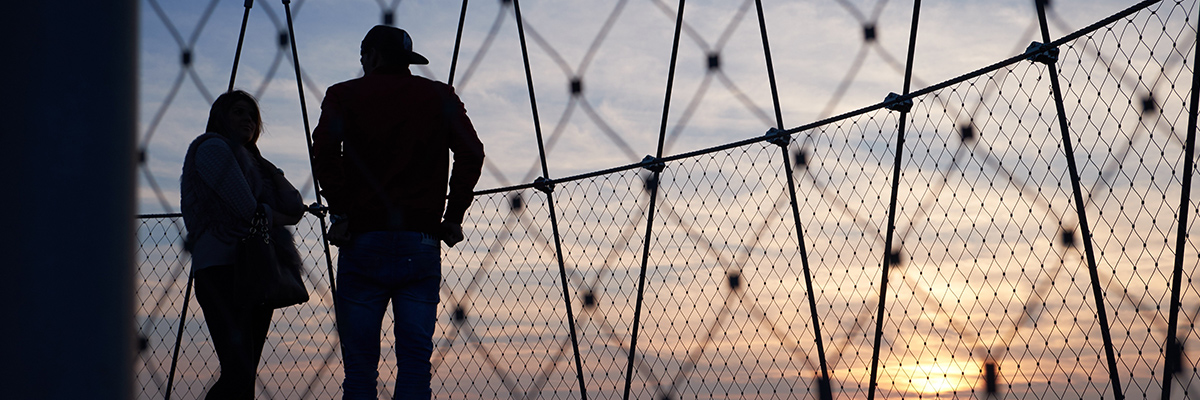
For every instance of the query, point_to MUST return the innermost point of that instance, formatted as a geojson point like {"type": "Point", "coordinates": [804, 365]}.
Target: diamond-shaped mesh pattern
{"type": "Point", "coordinates": [988, 289]}
{"type": "Point", "coordinates": [300, 358]}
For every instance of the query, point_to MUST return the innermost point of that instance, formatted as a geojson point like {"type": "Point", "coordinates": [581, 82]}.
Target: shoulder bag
{"type": "Point", "coordinates": [271, 278]}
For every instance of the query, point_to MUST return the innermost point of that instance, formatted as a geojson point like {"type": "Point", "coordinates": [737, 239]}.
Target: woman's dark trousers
{"type": "Point", "coordinates": [238, 331]}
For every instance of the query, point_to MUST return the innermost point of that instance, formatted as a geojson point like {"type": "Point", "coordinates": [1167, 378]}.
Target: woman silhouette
{"type": "Point", "coordinates": [225, 183]}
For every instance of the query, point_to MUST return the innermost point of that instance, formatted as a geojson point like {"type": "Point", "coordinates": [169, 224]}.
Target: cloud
{"type": "Point", "coordinates": [813, 45]}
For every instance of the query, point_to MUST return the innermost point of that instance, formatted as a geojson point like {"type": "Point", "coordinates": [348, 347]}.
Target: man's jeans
{"type": "Point", "coordinates": [377, 267]}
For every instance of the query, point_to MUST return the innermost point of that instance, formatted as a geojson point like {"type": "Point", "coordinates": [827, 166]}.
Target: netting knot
{"type": "Point", "coordinates": [869, 32]}
{"type": "Point", "coordinates": [283, 39]}
{"type": "Point", "coordinates": [389, 18]}
{"type": "Point", "coordinates": [714, 61]}
{"type": "Point", "coordinates": [1041, 53]}
{"type": "Point", "coordinates": [543, 184]}
{"type": "Point", "coordinates": [896, 102]}
{"type": "Point", "coordinates": [778, 137]}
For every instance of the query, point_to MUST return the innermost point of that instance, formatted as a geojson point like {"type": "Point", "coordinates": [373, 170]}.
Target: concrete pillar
{"type": "Point", "coordinates": [68, 129]}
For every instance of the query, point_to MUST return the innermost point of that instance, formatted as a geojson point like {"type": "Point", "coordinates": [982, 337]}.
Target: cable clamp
{"type": "Point", "coordinates": [543, 184]}
{"type": "Point", "coordinates": [893, 102]}
{"type": "Point", "coordinates": [651, 163]}
{"type": "Point", "coordinates": [778, 137]}
{"type": "Point", "coordinates": [1042, 53]}
{"type": "Point", "coordinates": [317, 209]}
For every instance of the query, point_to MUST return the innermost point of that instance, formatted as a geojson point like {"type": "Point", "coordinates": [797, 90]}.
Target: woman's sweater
{"type": "Point", "coordinates": [221, 187]}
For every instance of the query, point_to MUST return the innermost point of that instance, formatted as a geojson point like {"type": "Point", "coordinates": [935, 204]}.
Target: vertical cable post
{"type": "Point", "coordinates": [1080, 206]}
{"type": "Point", "coordinates": [1174, 347]}
{"type": "Point", "coordinates": [237, 55]}
{"type": "Point", "coordinates": [462, 18]}
{"type": "Point", "coordinates": [308, 140]}
{"type": "Point", "coordinates": [548, 188]}
{"type": "Point", "coordinates": [656, 171]}
{"type": "Point", "coordinates": [187, 297]}
{"type": "Point", "coordinates": [824, 388]}
{"type": "Point", "coordinates": [891, 256]}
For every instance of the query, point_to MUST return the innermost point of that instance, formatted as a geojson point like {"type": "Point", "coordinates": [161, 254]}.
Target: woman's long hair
{"type": "Point", "coordinates": [218, 115]}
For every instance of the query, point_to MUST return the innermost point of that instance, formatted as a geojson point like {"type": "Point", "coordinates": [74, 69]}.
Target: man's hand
{"type": "Point", "coordinates": [451, 233]}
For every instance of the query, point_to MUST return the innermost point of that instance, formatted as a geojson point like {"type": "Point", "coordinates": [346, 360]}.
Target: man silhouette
{"type": "Point", "coordinates": [380, 152]}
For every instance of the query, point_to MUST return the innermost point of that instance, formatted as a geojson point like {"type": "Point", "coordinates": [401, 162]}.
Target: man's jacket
{"type": "Point", "coordinates": [381, 151]}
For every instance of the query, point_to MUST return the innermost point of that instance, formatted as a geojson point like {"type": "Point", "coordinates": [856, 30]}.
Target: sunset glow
{"type": "Point", "coordinates": [747, 266]}
{"type": "Point", "coordinates": [939, 378]}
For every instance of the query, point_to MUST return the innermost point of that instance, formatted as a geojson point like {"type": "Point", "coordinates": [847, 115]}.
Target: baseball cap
{"type": "Point", "coordinates": [393, 40]}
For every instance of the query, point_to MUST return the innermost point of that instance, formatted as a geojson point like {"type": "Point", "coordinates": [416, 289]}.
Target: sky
{"type": "Point", "coordinates": [617, 120]}
{"type": "Point", "coordinates": [814, 44]}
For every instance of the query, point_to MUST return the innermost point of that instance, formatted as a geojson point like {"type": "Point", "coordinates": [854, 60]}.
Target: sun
{"type": "Point", "coordinates": [938, 378]}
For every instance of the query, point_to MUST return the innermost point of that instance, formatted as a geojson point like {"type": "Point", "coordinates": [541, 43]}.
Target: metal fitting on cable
{"type": "Point", "coordinates": [1042, 53]}
{"type": "Point", "coordinates": [317, 209]}
{"type": "Point", "coordinates": [460, 314]}
{"type": "Point", "coordinates": [800, 158]}
{"type": "Point", "coordinates": [516, 202]}
{"type": "Point", "coordinates": [824, 389]}
{"type": "Point", "coordinates": [589, 299]}
{"type": "Point", "coordinates": [894, 259]}
{"type": "Point", "coordinates": [576, 86]}
{"type": "Point", "coordinates": [990, 378]}
{"type": "Point", "coordinates": [1175, 355]}
{"type": "Point", "coordinates": [893, 102]}
{"type": "Point", "coordinates": [778, 137]}
{"type": "Point", "coordinates": [653, 164]}
{"type": "Point", "coordinates": [543, 184]}
{"type": "Point", "coordinates": [248, 4]}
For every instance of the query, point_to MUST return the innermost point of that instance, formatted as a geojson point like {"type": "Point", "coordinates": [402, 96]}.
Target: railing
{"type": "Point", "coordinates": [1005, 257]}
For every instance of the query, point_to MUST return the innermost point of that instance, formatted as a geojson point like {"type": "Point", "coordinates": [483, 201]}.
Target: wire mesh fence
{"type": "Point", "coordinates": [990, 289]}
{"type": "Point", "coordinates": [300, 351]}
